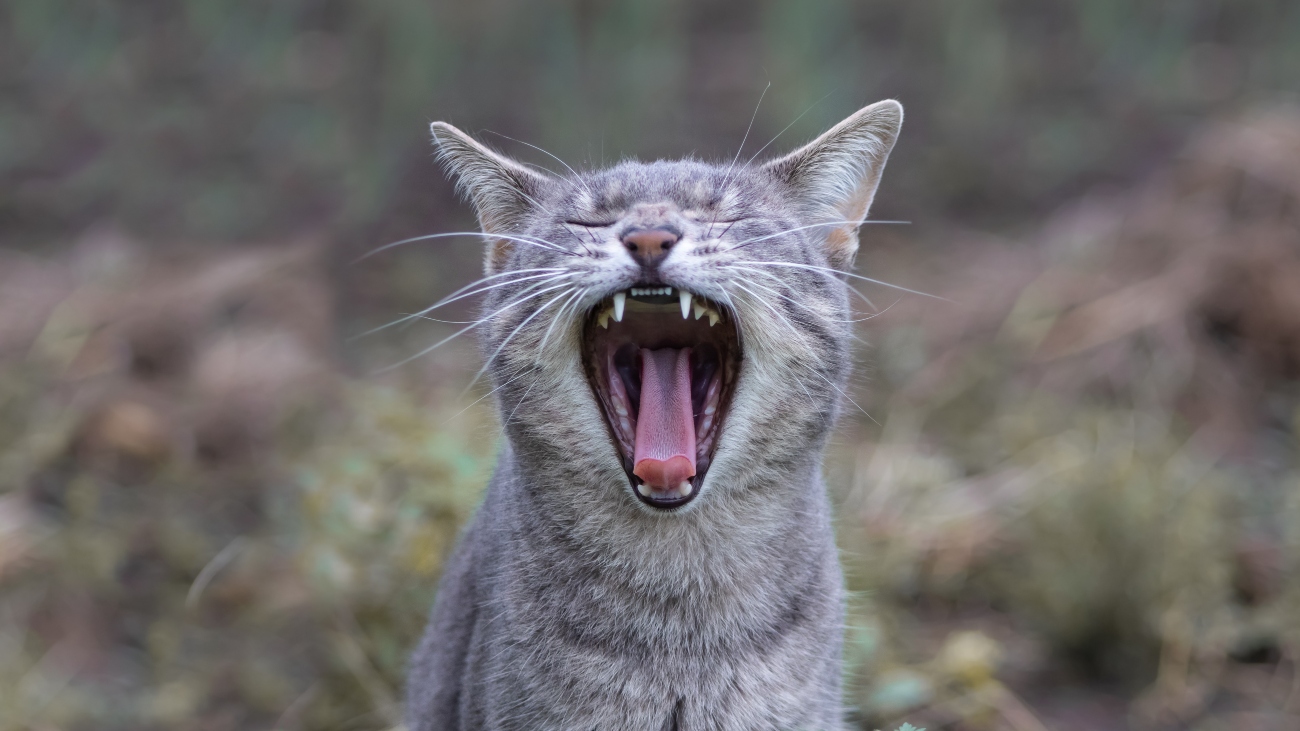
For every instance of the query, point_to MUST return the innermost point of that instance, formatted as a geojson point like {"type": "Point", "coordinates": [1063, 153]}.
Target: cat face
{"type": "Point", "coordinates": [667, 334]}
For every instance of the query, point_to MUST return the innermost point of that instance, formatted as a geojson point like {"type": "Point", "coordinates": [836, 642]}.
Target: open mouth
{"type": "Point", "coordinates": [663, 363]}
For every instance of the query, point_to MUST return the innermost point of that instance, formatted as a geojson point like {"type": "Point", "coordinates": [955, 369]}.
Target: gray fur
{"type": "Point", "coordinates": [569, 604]}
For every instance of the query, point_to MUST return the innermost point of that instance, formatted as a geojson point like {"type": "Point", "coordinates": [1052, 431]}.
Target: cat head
{"type": "Point", "coordinates": [664, 334]}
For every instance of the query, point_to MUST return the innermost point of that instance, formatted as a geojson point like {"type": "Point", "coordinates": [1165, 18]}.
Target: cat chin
{"type": "Point", "coordinates": [663, 363]}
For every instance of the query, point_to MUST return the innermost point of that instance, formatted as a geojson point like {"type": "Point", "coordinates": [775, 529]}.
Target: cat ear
{"type": "Point", "coordinates": [835, 176]}
{"type": "Point", "coordinates": [502, 191]}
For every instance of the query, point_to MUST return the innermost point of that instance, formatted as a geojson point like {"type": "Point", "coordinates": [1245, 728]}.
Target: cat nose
{"type": "Point", "coordinates": [649, 246]}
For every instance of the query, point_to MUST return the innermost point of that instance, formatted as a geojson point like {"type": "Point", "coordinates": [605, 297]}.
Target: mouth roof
{"type": "Point", "coordinates": [662, 362]}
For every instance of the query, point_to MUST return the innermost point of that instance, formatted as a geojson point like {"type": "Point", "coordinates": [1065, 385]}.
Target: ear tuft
{"type": "Point", "coordinates": [836, 175]}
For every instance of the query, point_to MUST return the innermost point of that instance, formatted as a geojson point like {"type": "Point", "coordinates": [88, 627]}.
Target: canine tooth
{"type": "Point", "coordinates": [684, 489]}
{"type": "Point", "coordinates": [685, 298]}
{"type": "Point", "coordinates": [620, 299]}
{"type": "Point", "coordinates": [713, 318]}
{"type": "Point", "coordinates": [641, 488]}
{"type": "Point", "coordinates": [699, 310]}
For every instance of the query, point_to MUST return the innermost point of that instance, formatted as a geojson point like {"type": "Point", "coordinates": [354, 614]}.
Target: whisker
{"type": "Point", "coordinates": [787, 127]}
{"type": "Point", "coordinates": [462, 331]}
{"type": "Point", "coordinates": [590, 235]}
{"type": "Point", "coordinates": [786, 321]}
{"type": "Point", "coordinates": [877, 313]}
{"type": "Point", "coordinates": [576, 297]}
{"type": "Point", "coordinates": [522, 399]}
{"type": "Point", "coordinates": [548, 212]}
{"type": "Point", "coordinates": [536, 270]}
{"type": "Point", "coordinates": [761, 300]}
{"type": "Point", "coordinates": [841, 222]}
{"type": "Point", "coordinates": [518, 329]}
{"type": "Point", "coordinates": [480, 398]}
{"type": "Point", "coordinates": [417, 316]}
{"type": "Point", "coordinates": [576, 177]}
{"type": "Point", "coordinates": [728, 228]}
{"type": "Point", "coordinates": [828, 270]}
{"type": "Point", "coordinates": [727, 178]}
{"type": "Point", "coordinates": [851, 289]}
{"type": "Point", "coordinates": [449, 298]}
{"type": "Point", "coordinates": [539, 243]}
{"type": "Point", "coordinates": [792, 300]}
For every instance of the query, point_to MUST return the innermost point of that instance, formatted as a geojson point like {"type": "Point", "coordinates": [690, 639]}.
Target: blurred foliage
{"type": "Point", "coordinates": [1080, 508]}
{"type": "Point", "coordinates": [1096, 448]}
{"type": "Point", "coordinates": [181, 598]}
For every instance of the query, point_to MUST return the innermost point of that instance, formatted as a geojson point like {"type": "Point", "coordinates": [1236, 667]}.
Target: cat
{"type": "Point", "coordinates": [668, 343]}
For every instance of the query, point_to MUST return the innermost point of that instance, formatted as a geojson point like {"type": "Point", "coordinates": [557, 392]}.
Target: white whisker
{"type": "Point", "coordinates": [522, 399]}
{"type": "Point", "coordinates": [518, 329]}
{"type": "Point", "coordinates": [539, 243]}
{"type": "Point", "coordinates": [812, 403]}
{"type": "Point", "coordinates": [830, 271]}
{"type": "Point", "coordinates": [577, 296]}
{"type": "Point", "coordinates": [786, 321]}
{"type": "Point", "coordinates": [554, 157]}
{"type": "Point", "coordinates": [841, 222]}
{"type": "Point", "coordinates": [796, 302]}
{"type": "Point", "coordinates": [576, 177]}
{"type": "Point", "coordinates": [787, 127]}
{"type": "Point", "coordinates": [418, 316]}
{"type": "Point", "coordinates": [514, 303]}
{"type": "Point", "coordinates": [851, 289]}
{"type": "Point", "coordinates": [480, 398]}
{"type": "Point", "coordinates": [727, 177]}
{"type": "Point", "coordinates": [449, 298]}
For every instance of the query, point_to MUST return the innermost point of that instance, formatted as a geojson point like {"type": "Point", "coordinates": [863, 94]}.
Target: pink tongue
{"type": "Point", "coordinates": [665, 427]}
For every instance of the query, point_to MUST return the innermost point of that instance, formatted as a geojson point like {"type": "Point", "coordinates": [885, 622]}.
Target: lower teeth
{"type": "Point", "coordinates": [682, 490]}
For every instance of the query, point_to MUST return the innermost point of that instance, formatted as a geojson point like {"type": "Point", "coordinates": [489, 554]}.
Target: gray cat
{"type": "Point", "coordinates": [668, 342]}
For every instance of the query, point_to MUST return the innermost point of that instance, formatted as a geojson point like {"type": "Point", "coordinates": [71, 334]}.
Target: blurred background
{"type": "Point", "coordinates": [1069, 500]}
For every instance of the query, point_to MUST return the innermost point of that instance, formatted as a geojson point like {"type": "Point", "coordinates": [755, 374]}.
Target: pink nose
{"type": "Point", "coordinates": [649, 246]}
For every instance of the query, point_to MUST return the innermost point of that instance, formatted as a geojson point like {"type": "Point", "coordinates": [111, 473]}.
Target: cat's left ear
{"type": "Point", "coordinates": [503, 191]}
{"type": "Point", "coordinates": [836, 175]}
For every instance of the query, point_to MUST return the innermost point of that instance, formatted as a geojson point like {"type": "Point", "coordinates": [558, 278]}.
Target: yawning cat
{"type": "Point", "coordinates": [668, 343]}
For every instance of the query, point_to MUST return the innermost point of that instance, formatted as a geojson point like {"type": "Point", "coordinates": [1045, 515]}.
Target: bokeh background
{"type": "Point", "coordinates": [1069, 498]}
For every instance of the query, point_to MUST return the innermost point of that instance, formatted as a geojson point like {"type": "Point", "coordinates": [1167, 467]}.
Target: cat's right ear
{"type": "Point", "coordinates": [502, 191]}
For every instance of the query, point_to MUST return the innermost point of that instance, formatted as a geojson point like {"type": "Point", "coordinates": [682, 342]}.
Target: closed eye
{"type": "Point", "coordinates": [592, 224]}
